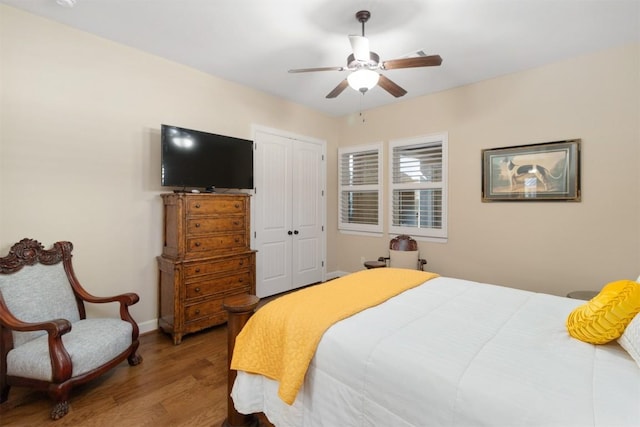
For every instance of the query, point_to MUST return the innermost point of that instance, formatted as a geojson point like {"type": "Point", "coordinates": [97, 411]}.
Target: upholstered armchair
{"type": "Point", "coordinates": [403, 253]}
{"type": "Point", "coordinates": [46, 341]}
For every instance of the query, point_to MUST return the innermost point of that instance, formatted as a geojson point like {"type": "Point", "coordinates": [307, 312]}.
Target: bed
{"type": "Point", "coordinates": [453, 352]}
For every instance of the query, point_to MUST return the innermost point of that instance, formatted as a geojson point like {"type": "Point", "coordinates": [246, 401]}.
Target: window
{"type": "Point", "coordinates": [360, 202]}
{"type": "Point", "coordinates": [418, 186]}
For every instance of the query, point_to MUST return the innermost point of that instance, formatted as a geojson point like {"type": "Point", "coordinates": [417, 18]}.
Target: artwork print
{"type": "Point", "coordinates": [548, 171]}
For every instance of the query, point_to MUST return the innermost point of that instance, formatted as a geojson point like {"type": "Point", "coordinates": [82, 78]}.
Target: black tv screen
{"type": "Point", "coordinates": [196, 159]}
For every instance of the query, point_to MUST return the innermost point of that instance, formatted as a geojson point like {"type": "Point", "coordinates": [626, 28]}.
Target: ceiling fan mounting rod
{"type": "Point", "coordinates": [363, 16]}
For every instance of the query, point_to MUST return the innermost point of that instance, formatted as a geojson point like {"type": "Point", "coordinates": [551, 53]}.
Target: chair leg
{"type": "Point", "coordinates": [59, 393]}
{"type": "Point", "coordinates": [60, 409]}
{"type": "Point", "coordinates": [134, 359]}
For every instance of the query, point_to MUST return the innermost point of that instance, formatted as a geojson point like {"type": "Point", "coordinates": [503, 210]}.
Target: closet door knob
{"type": "Point", "coordinates": [295, 232]}
{"type": "Point", "coordinates": [289, 232]}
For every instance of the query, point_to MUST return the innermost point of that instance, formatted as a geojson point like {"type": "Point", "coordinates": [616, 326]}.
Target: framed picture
{"type": "Point", "coordinates": [548, 171]}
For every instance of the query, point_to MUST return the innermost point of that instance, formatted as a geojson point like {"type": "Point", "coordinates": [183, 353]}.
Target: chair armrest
{"type": "Point", "coordinates": [56, 327]}
{"type": "Point", "coordinates": [129, 298]}
{"type": "Point", "coordinates": [61, 367]}
{"type": "Point", "coordinates": [125, 301]}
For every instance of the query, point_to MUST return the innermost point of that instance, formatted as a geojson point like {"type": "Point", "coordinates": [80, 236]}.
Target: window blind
{"type": "Point", "coordinates": [359, 175]}
{"type": "Point", "coordinates": [418, 186]}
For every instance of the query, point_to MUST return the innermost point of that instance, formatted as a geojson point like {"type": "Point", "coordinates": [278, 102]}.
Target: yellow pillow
{"type": "Point", "coordinates": [604, 318]}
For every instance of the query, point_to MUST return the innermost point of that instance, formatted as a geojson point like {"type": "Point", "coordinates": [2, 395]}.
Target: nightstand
{"type": "Point", "coordinates": [375, 264]}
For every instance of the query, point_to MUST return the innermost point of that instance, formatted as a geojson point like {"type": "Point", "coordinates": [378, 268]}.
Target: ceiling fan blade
{"type": "Point", "coordinates": [360, 46]}
{"type": "Point", "coordinates": [338, 89]}
{"type": "Point", "coordinates": [419, 61]}
{"type": "Point", "coordinates": [391, 87]}
{"type": "Point", "coordinates": [306, 70]}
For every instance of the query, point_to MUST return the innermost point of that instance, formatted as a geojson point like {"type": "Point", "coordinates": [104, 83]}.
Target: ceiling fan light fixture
{"type": "Point", "coordinates": [362, 80]}
{"type": "Point", "coordinates": [66, 3]}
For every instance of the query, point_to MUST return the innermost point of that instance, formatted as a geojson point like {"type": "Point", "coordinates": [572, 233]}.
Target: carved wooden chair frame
{"type": "Point", "coordinates": [404, 242]}
{"type": "Point", "coordinates": [29, 252]}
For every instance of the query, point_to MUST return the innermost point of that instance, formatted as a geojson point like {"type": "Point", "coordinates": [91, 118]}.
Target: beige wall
{"type": "Point", "coordinates": [550, 247]}
{"type": "Point", "coordinates": [79, 159]}
{"type": "Point", "coordinates": [80, 145]}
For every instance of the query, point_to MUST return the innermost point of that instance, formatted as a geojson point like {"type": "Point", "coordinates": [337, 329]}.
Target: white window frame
{"type": "Point", "coordinates": [348, 227]}
{"type": "Point", "coordinates": [428, 234]}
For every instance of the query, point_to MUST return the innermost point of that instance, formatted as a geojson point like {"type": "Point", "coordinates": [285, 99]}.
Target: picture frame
{"type": "Point", "coordinates": [547, 171]}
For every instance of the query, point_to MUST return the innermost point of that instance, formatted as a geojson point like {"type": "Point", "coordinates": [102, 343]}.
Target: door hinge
{"type": "Point", "coordinates": [323, 228]}
{"type": "Point", "coordinates": [322, 264]}
{"type": "Point", "coordinates": [323, 157]}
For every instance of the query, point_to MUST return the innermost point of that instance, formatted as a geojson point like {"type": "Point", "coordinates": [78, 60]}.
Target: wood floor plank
{"type": "Point", "coordinates": [176, 385]}
{"type": "Point", "coordinates": [183, 385]}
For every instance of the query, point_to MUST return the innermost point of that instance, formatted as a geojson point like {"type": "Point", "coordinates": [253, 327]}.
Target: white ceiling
{"type": "Point", "coordinates": [255, 42]}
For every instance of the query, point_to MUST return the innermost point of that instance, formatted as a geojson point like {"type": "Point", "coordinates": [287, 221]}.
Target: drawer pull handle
{"type": "Point", "coordinates": [241, 262]}
{"type": "Point", "coordinates": [240, 280]}
{"type": "Point", "coordinates": [197, 289]}
{"type": "Point", "coordinates": [197, 205]}
{"type": "Point", "coordinates": [197, 270]}
{"type": "Point", "coordinates": [237, 240]}
{"type": "Point", "coordinates": [236, 222]}
{"type": "Point", "coordinates": [198, 244]}
{"type": "Point", "coordinates": [237, 205]}
{"type": "Point", "coordinates": [197, 311]}
{"type": "Point", "coordinates": [197, 225]}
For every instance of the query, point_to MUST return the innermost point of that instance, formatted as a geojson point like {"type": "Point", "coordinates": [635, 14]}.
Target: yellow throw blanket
{"type": "Point", "coordinates": [280, 339]}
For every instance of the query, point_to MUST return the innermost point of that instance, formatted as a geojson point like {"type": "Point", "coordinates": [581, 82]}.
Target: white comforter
{"type": "Point", "coordinates": [456, 353]}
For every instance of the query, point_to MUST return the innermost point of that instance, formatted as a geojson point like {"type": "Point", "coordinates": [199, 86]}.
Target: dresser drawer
{"type": "Point", "coordinates": [214, 225]}
{"type": "Point", "coordinates": [221, 205]}
{"type": "Point", "coordinates": [236, 263]}
{"type": "Point", "coordinates": [223, 243]}
{"type": "Point", "coordinates": [218, 285]}
{"type": "Point", "coordinates": [206, 309]}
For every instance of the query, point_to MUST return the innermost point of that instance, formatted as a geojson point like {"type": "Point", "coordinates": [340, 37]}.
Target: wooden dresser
{"type": "Point", "coordinates": [206, 257]}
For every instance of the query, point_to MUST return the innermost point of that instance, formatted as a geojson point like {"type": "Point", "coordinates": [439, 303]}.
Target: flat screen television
{"type": "Point", "coordinates": [196, 159]}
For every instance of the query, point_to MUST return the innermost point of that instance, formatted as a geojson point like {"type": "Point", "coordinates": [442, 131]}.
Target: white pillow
{"type": "Point", "coordinates": [403, 259]}
{"type": "Point", "coordinates": [630, 339]}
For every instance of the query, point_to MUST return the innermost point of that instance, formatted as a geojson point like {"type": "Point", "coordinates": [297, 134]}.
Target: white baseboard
{"type": "Point", "coordinates": [148, 326]}
{"type": "Point", "coordinates": [336, 274]}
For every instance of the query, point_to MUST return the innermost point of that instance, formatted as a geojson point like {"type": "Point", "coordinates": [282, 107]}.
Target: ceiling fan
{"type": "Point", "coordinates": [363, 65]}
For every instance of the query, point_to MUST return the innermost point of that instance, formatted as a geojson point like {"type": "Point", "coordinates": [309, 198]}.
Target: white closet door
{"type": "Point", "coordinates": [289, 213]}
{"type": "Point", "coordinates": [273, 214]}
{"type": "Point", "coordinates": [307, 213]}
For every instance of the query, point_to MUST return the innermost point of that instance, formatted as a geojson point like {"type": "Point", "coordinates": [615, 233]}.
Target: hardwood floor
{"type": "Point", "coordinates": [183, 385]}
